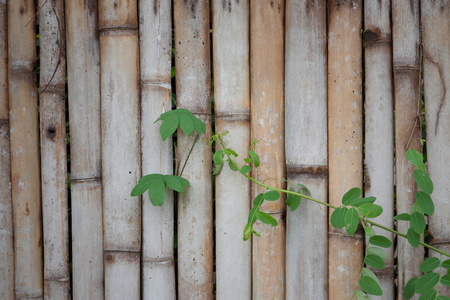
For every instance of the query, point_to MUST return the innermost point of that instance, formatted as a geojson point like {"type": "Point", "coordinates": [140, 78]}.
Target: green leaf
{"type": "Point", "coordinates": [410, 288]}
{"type": "Point", "coordinates": [374, 261]}
{"type": "Point", "coordinates": [218, 157]}
{"type": "Point", "coordinates": [231, 152]}
{"type": "Point", "coordinates": [369, 231]}
{"type": "Point", "coordinates": [381, 241]}
{"type": "Point", "coordinates": [445, 280]}
{"type": "Point", "coordinates": [370, 286]}
{"type": "Point", "coordinates": [258, 200]}
{"type": "Point", "coordinates": [254, 157]}
{"type": "Point", "coordinates": [413, 238]}
{"type": "Point", "coordinates": [248, 160]}
{"type": "Point", "coordinates": [402, 217]}
{"type": "Point", "coordinates": [426, 282]}
{"type": "Point", "coordinates": [423, 181]}
{"type": "Point", "coordinates": [351, 220]}
{"type": "Point", "coordinates": [358, 201]}
{"type": "Point", "coordinates": [368, 272]}
{"type": "Point", "coordinates": [360, 295]}
{"type": "Point", "coordinates": [168, 127]}
{"type": "Point", "coordinates": [446, 264]}
{"type": "Point", "coordinates": [252, 214]}
{"type": "Point", "coordinates": [293, 200]}
{"type": "Point", "coordinates": [232, 167]}
{"type": "Point", "coordinates": [414, 157]}
{"type": "Point", "coordinates": [303, 189]}
{"type": "Point", "coordinates": [266, 218]}
{"type": "Point", "coordinates": [157, 191]}
{"type": "Point", "coordinates": [143, 184]}
{"type": "Point", "coordinates": [352, 194]}
{"type": "Point", "coordinates": [245, 169]}
{"type": "Point", "coordinates": [175, 183]}
{"type": "Point", "coordinates": [199, 126]}
{"type": "Point", "coordinates": [186, 124]}
{"type": "Point", "coordinates": [338, 216]}
{"type": "Point", "coordinates": [425, 202]}
{"type": "Point", "coordinates": [182, 117]}
{"type": "Point", "coordinates": [377, 251]}
{"type": "Point", "coordinates": [217, 169]}
{"type": "Point", "coordinates": [418, 222]}
{"type": "Point", "coordinates": [271, 196]}
{"type": "Point", "coordinates": [370, 210]}
{"type": "Point", "coordinates": [429, 264]}
{"type": "Point", "coordinates": [416, 208]}
{"type": "Point", "coordinates": [442, 298]}
{"type": "Point", "coordinates": [247, 232]}
{"type": "Point", "coordinates": [289, 197]}
{"type": "Point", "coordinates": [429, 295]}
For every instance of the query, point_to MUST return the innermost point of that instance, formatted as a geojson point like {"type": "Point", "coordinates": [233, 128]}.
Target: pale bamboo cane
{"type": "Point", "coordinates": [379, 126]}
{"type": "Point", "coordinates": [406, 66]}
{"type": "Point", "coordinates": [24, 129]}
{"type": "Point", "coordinates": [232, 113]}
{"type": "Point", "coordinates": [344, 138]}
{"type": "Point", "coordinates": [193, 75]}
{"type": "Point", "coordinates": [155, 31]}
{"type": "Point", "coordinates": [306, 148]}
{"type": "Point", "coordinates": [119, 82]}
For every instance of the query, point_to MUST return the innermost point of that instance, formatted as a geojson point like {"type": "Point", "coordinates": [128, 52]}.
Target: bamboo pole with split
{"type": "Point", "coordinates": [232, 113]}
{"type": "Point", "coordinates": [24, 130]}
{"type": "Point", "coordinates": [53, 150]}
{"type": "Point", "coordinates": [83, 70]}
{"type": "Point", "coordinates": [155, 38]}
{"type": "Point", "coordinates": [267, 125]}
{"type": "Point", "coordinates": [344, 138]}
{"type": "Point", "coordinates": [306, 147]}
{"type": "Point", "coordinates": [193, 84]}
{"type": "Point", "coordinates": [406, 66]}
{"type": "Point", "coordinates": [6, 212]}
{"type": "Point", "coordinates": [436, 59]}
{"type": "Point", "coordinates": [119, 83]}
{"type": "Point", "coordinates": [379, 126]}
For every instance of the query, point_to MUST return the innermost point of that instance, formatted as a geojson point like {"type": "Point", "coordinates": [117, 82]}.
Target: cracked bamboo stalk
{"type": "Point", "coordinates": [379, 127]}
{"type": "Point", "coordinates": [406, 66]}
{"type": "Point", "coordinates": [344, 138]}
{"type": "Point", "coordinates": [306, 124]}
{"type": "Point", "coordinates": [155, 31]}
{"type": "Point", "coordinates": [83, 70]}
{"type": "Point", "coordinates": [24, 130]}
{"type": "Point", "coordinates": [232, 113]}
{"type": "Point", "coordinates": [267, 125]}
{"type": "Point", "coordinates": [120, 122]}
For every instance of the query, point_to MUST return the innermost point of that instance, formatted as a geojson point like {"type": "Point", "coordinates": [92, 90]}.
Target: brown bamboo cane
{"type": "Point", "coordinates": [232, 113]}
{"type": "Point", "coordinates": [53, 150]}
{"type": "Point", "coordinates": [193, 75]}
{"type": "Point", "coordinates": [306, 147]}
{"type": "Point", "coordinates": [379, 126]}
{"type": "Point", "coordinates": [24, 129]}
{"type": "Point", "coordinates": [344, 138]}
{"type": "Point", "coordinates": [155, 31]}
{"type": "Point", "coordinates": [6, 212]}
{"type": "Point", "coordinates": [406, 66]}
{"type": "Point", "coordinates": [119, 82]}
{"type": "Point", "coordinates": [267, 125]}
{"type": "Point", "coordinates": [436, 59]}
{"type": "Point", "coordinates": [83, 70]}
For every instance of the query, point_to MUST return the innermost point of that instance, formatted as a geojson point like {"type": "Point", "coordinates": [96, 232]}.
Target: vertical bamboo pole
{"type": "Point", "coordinates": [345, 138]}
{"type": "Point", "coordinates": [155, 31]}
{"type": "Point", "coordinates": [379, 126]}
{"type": "Point", "coordinates": [83, 70]}
{"type": "Point", "coordinates": [306, 147]}
{"type": "Point", "coordinates": [119, 82]}
{"type": "Point", "coordinates": [195, 227]}
{"type": "Point", "coordinates": [53, 150]}
{"type": "Point", "coordinates": [232, 113]}
{"type": "Point", "coordinates": [436, 55]}
{"type": "Point", "coordinates": [267, 124]}
{"type": "Point", "coordinates": [6, 213]}
{"type": "Point", "coordinates": [24, 131]}
{"type": "Point", "coordinates": [406, 63]}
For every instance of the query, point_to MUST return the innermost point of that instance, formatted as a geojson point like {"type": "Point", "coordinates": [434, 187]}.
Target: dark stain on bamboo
{"type": "Point", "coordinates": [92, 6]}
{"type": "Point", "coordinates": [156, 5]}
{"type": "Point", "coordinates": [51, 132]}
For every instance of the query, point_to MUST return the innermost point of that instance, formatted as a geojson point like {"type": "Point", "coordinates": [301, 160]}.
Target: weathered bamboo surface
{"type": "Point", "coordinates": [379, 127]}
{"type": "Point", "coordinates": [53, 150]}
{"type": "Point", "coordinates": [195, 227]}
{"type": "Point", "coordinates": [232, 113]}
{"type": "Point", "coordinates": [119, 82]}
{"type": "Point", "coordinates": [306, 148]}
{"type": "Point", "coordinates": [155, 40]}
{"type": "Point", "coordinates": [344, 138]}
{"type": "Point", "coordinates": [267, 125]}
{"type": "Point", "coordinates": [83, 70]}
{"type": "Point", "coordinates": [406, 66]}
{"type": "Point", "coordinates": [6, 213]}
{"type": "Point", "coordinates": [436, 59]}
{"type": "Point", "coordinates": [24, 129]}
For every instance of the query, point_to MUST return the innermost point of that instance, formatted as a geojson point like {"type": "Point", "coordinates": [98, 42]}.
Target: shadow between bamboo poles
{"type": "Point", "coordinates": [379, 127]}
{"type": "Point", "coordinates": [267, 125]}
{"type": "Point", "coordinates": [6, 212]}
{"type": "Point", "coordinates": [83, 71]}
{"type": "Point", "coordinates": [406, 64]}
{"type": "Point", "coordinates": [193, 84]}
{"type": "Point", "coordinates": [155, 31]}
{"type": "Point", "coordinates": [24, 130]}
{"type": "Point", "coordinates": [306, 148]}
{"type": "Point", "coordinates": [436, 60]}
{"type": "Point", "coordinates": [345, 138]}
{"type": "Point", "coordinates": [119, 81]}
{"type": "Point", "coordinates": [232, 113]}
{"type": "Point", "coordinates": [53, 150]}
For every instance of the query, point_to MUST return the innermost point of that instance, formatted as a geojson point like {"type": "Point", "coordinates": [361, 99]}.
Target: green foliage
{"type": "Point", "coordinates": [156, 185]}
{"type": "Point", "coordinates": [179, 117]}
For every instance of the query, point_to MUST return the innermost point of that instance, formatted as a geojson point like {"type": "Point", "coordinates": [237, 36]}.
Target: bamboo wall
{"type": "Point", "coordinates": [314, 81]}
